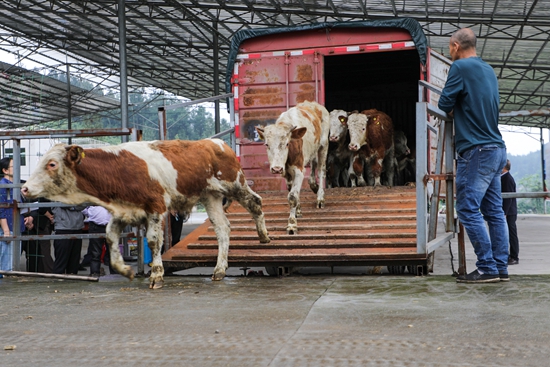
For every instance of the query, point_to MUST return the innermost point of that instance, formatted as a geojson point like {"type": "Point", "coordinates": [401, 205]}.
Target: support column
{"type": "Point", "coordinates": [123, 66]}
{"type": "Point", "coordinates": [217, 127]}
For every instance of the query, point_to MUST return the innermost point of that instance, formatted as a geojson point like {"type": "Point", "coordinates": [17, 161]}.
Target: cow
{"type": "Point", "coordinates": [404, 161]}
{"type": "Point", "coordinates": [339, 155]}
{"type": "Point", "coordinates": [139, 182]}
{"type": "Point", "coordinates": [371, 135]}
{"type": "Point", "coordinates": [299, 137]}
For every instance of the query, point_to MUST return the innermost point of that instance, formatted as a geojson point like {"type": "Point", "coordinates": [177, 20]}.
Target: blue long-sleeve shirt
{"type": "Point", "coordinates": [471, 91]}
{"type": "Point", "coordinates": [6, 196]}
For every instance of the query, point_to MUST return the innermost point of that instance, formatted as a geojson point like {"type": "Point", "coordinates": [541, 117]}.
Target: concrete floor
{"type": "Point", "coordinates": [307, 319]}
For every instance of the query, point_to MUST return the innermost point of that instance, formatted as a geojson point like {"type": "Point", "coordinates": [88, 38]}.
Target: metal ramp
{"type": "Point", "coordinates": [370, 226]}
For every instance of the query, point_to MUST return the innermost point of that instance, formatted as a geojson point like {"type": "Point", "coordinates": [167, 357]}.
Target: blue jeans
{"type": "Point", "coordinates": [479, 199]}
{"type": "Point", "coordinates": [6, 254]}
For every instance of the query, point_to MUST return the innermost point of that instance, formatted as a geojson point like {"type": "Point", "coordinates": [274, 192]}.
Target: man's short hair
{"type": "Point", "coordinates": [466, 38]}
{"type": "Point", "coordinates": [508, 165]}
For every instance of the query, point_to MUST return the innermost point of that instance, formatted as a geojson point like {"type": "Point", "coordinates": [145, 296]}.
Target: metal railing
{"type": "Point", "coordinates": [427, 240]}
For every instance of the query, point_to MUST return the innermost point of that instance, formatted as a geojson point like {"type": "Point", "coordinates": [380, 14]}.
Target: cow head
{"type": "Point", "coordinates": [53, 177]}
{"type": "Point", "coordinates": [338, 125]}
{"type": "Point", "coordinates": [400, 144]}
{"type": "Point", "coordinates": [357, 127]}
{"type": "Point", "coordinates": [277, 138]}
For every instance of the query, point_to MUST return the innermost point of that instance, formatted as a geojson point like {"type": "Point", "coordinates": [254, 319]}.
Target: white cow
{"type": "Point", "coordinates": [299, 137]}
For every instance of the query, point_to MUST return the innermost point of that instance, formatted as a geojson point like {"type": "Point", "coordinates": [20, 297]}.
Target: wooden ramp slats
{"type": "Point", "coordinates": [312, 236]}
{"type": "Point", "coordinates": [335, 227]}
{"type": "Point", "coordinates": [372, 219]}
{"type": "Point", "coordinates": [328, 244]}
{"type": "Point", "coordinates": [357, 226]}
{"type": "Point", "coordinates": [283, 256]}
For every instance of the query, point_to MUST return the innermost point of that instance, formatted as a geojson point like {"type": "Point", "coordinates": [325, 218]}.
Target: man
{"type": "Point", "coordinates": [67, 251]}
{"type": "Point", "coordinates": [471, 96]}
{"type": "Point", "coordinates": [98, 218]}
{"type": "Point", "coordinates": [510, 208]}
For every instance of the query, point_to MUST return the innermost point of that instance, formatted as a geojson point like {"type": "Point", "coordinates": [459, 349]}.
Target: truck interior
{"type": "Point", "coordinates": [387, 81]}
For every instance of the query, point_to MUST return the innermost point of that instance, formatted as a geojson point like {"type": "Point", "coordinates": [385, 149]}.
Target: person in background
{"type": "Point", "coordinates": [67, 251]}
{"type": "Point", "coordinates": [471, 96]}
{"type": "Point", "coordinates": [98, 217]}
{"type": "Point", "coordinates": [510, 208]}
{"type": "Point", "coordinates": [176, 225]}
{"type": "Point", "coordinates": [38, 252]}
{"type": "Point", "coordinates": [6, 217]}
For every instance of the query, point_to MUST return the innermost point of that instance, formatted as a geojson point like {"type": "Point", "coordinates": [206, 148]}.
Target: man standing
{"type": "Point", "coordinates": [67, 251]}
{"type": "Point", "coordinates": [98, 218]}
{"type": "Point", "coordinates": [510, 208]}
{"type": "Point", "coordinates": [471, 96]}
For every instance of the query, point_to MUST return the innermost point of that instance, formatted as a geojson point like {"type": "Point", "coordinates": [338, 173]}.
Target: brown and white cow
{"type": "Point", "coordinates": [299, 137]}
{"type": "Point", "coordinates": [345, 164]}
{"type": "Point", "coordinates": [371, 134]}
{"type": "Point", "coordinates": [139, 182]}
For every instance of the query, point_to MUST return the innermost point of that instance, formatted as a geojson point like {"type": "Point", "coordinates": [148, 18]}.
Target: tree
{"type": "Point", "coordinates": [530, 183]}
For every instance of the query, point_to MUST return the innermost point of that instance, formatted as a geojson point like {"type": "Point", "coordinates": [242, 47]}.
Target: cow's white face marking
{"type": "Point", "coordinates": [357, 127]}
{"type": "Point", "coordinates": [50, 175]}
{"type": "Point", "coordinates": [338, 125]}
{"type": "Point", "coordinates": [276, 138]}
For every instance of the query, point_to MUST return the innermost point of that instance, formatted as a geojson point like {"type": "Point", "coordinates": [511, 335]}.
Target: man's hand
{"type": "Point", "coordinates": [29, 222]}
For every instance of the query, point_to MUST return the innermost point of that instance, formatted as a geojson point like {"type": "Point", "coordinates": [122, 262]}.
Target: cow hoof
{"type": "Point", "coordinates": [156, 284]}
{"type": "Point", "coordinates": [218, 275]}
{"type": "Point", "coordinates": [320, 204]}
{"type": "Point", "coordinates": [314, 188]}
{"type": "Point", "coordinates": [265, 239]}
{"type": "Point", "coordinates": [127, 272]}
{"type": "Point", "coordinates": [292, 230]}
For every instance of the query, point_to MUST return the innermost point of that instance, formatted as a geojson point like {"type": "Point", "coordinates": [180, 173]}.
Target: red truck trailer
{"type": "Point", "coordinates": [385, 65]}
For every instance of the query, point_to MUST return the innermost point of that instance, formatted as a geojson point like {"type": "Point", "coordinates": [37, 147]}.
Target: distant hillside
{"type": "Point", "coordinates": [529, 164]}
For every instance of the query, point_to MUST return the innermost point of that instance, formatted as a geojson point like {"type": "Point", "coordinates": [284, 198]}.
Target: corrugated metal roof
{"type": "Point", "coordinates": [170, 43]}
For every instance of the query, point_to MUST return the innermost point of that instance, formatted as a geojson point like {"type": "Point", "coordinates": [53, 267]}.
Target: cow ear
{"type": "Point", "coordinates": [75, 154]}
{"type": "Point", "coordinates": [343, 120]}
{"type": "Point", "coordinates": [298, 132]}
{"type": "Point", "coordinates": [260, 131]}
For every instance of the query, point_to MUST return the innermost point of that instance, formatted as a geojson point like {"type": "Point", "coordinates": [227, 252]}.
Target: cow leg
{"type": "Point", "coordinates": [112, 235]}
{"type": "Point", "coordinates": [321, 175]}
{"type": "Point", "coordinates": [356, 170]}
{"type": "Point", "coordinates": [252, 202]}
{"type": "Point", "coordinates": [214, 208]}
{"type": "Point", "coordinates": [290, 178]}
{"type": "Point", "coordinates": [294, 201]}
{"type": "Point", "coordinates": [155, 239]}
{"type": "Point", "coordinates": [376, 169]}
{"type": "Point", "coordinates": [389, 166]}
{"type": "Point", "coordinates": [312, 181]}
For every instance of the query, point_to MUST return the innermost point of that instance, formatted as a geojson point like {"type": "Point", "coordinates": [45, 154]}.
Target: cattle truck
{"type": "Point", "coordinates": [385, 65]}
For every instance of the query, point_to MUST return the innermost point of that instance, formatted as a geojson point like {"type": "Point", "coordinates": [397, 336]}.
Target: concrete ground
{"type": "Point", "coordinates": [313, 318]}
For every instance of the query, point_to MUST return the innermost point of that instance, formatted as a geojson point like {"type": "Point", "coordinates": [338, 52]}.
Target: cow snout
{"type": "Point", "coordinates": [24, 191]}
{"type": "Point", "coordinates": [353, 147]}
{"type": "Point", "coordinates": [277, 170]}
{"type": "Point", "coordinates": [333, 138]}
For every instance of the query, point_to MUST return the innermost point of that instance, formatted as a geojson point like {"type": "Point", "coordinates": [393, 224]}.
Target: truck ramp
{"type": "Point", "coordinates": [371, 226]}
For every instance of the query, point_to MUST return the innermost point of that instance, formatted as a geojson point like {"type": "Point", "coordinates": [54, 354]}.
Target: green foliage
{"type": "Point", "coordinates": [187, 123]}
{"type": "Point", "coordinates": [530, 183]}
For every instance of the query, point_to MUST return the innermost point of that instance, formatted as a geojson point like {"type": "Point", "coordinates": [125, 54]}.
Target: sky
{"type": "Point", "coordinates": [522, 141]}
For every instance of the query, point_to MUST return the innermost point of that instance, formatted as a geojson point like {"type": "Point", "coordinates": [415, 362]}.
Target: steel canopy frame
{"type": "Point", "coordinates": [170, 44]}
